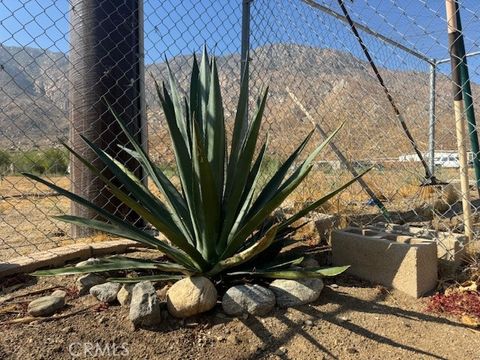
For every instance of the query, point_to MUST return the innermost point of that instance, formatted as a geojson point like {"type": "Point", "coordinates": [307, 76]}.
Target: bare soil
{"type": "Point", "coordinates": [351, 320]}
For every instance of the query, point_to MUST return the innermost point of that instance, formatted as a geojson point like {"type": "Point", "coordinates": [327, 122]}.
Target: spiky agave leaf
{"type": "Point", "coordinates": [115, 263]}
{"type": "Point", "coordinates": [136, 279]}
{"type": "Point", "coordinates": [294, 274]}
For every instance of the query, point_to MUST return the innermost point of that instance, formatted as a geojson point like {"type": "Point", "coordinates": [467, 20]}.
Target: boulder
{"type": "Point", "coordinates": [105, 292]}
{"type": "Point", "coordinates": [296, 292]}
{"type": "Point", "coordinates": [46, 305]}
{"type": "Point", "coordinates": [144, 305]}
{"type": "Point", "coordinates": [85, 282]}
{"type": "Point", "coordinates": [251, 299]}
{"type": "Point", "coordinates": [191, 296]}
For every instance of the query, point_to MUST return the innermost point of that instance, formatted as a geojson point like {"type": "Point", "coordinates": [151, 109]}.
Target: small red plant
{"type": "Point", "coordinates": [456, 303]}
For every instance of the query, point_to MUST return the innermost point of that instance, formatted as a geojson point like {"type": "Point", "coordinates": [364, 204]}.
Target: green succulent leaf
{"type": "Point", "coordinates": [137, 279]}
{"type": "Point", "coordinates": [114, 263]}
{"type": "Point", "coordinates": [247, 254]}
{"type": "Point", "coordinates": [294, 274]}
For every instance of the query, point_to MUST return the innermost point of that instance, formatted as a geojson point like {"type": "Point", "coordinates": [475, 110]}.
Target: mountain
{"type": "Point", "coordinates": [33, 96]}
{"type": "Point", "coordinates": [332, 85]}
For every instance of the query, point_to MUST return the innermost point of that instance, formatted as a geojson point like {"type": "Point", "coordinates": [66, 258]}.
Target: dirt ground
{"type": "Point", "coordinates": [351, 320]}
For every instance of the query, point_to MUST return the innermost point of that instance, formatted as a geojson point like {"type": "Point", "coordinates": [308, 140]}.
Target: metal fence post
{"type": "Point", "coordinates": [432, 118]}
{"type": "Point", "coordinates": [104, 63]}
{"type": "Point", "coordinates": [468, 99]}
{"type": "Point", "coordinates": [459, 108]}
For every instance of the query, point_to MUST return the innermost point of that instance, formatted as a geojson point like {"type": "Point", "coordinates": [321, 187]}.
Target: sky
{"type": "Point", "coordinates": [174, 27]}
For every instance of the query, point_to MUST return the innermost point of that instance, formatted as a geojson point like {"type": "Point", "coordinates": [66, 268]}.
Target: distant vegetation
{"type": "Point", "coordinates": [50, 161]}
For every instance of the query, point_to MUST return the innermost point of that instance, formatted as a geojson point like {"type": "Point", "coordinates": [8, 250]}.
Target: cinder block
{"type": "Point", "coordinates": [405, 263]}
{"type": "Point", "coordinates": [450, 246]}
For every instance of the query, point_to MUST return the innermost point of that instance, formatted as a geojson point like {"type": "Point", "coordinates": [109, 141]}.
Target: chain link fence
{"type": "Point", "coordinates": [318, 76]}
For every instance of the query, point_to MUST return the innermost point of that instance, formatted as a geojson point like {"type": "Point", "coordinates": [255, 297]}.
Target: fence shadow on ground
{"type": "Point", "coordinates": [346, 303]}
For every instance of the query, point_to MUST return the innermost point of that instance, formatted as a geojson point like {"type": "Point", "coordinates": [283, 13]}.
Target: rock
{"type": "Point", "coordinates": [162, 293]}
{"type": "Point", "coordinates": [46, 305]}
{"type": "Point", "coordinates": [233, 339]}
{"type": "Point", "coordinates": [352, 350]}
{"type": "Point", "coordinates": [85, 282]}
{"type": "Point", "coordinates": [308, 323]}
{"type": "Point", "coordinates": [324, 224]}
{"type": "Point", "coordinates": [309, 262]}
{"type": "Point", "coordinates": [91, 261]}
{"type": "Point", "coordinates": [105, 292]}
{"type": "Point", "coordinates": [251, 299]}
{"type": "Point", "coordinates": [296, 292]}
{"type": "Point", "coordinates": [191, 296]}
{"type": "Point", "coordinates": [125, 294]}
{"type": "Point", "coordinates": [144, 305]}
{"type": "Point", "coordinates": [59, 293]}
{"type": "Point", "coordinates": [68, 329]}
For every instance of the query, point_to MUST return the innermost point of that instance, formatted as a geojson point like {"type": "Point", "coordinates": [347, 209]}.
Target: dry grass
{"type": "Point", "coordinates": [26, 225]}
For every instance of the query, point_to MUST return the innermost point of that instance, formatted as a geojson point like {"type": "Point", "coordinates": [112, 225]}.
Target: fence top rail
{"type": "Point", "coordinates": [443, 61]}
{"type": "Point", "coordinates": [366, 29]}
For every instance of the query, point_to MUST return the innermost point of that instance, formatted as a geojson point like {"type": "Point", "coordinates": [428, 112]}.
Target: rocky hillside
{"type": "Point", "coordinates": [332, 85]}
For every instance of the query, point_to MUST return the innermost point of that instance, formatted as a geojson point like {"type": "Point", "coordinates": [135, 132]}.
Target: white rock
{"type": "Point", "coordinates": [251, 299]}
{"type": "Point", "coordinates": [191, 296]}
{"type": "Point", "coordinates": [85, 282]}
{"type": "Point", "coordinates": [144, 305]}
{"type": "Point", "coordinates": [105, 292]}
{"type": "Point", "coordinates": [46, 305]}
{"type": "Point", "coordinates": [296, 292]}
{"type": "Point", "coordinates": [91, 261]}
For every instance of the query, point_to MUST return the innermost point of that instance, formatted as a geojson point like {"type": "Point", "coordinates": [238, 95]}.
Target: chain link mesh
{"type": "Point", "coordinates": [318, 77]}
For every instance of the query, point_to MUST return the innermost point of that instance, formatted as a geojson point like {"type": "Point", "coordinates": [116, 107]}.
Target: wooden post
{"type": "Point", "coordinates": [105, 61]}
{"type": "Point", "coordinates": [459, 108]}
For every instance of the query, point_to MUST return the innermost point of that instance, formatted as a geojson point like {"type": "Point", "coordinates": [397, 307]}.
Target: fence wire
{"type": "Point", "coordinates": [318, 77]}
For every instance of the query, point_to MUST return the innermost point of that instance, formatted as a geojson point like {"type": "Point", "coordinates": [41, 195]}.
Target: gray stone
{"type": "Point", "coordinates": [105, 292]}
{"type": "Point", "coordinates": [125, 294]}
{"type": "Point", "coordinates": [191, 296]}
{"type": "Point", "coordinates": [46, 305]}
{"type": "Point", "coordinates": [85, 282]}
{"type": "Point", "coordinates": [144, 305]}
{"type": "Point", "coordinates": [251, 299]}
{"type": "Point", "coordinates": [296, 292]}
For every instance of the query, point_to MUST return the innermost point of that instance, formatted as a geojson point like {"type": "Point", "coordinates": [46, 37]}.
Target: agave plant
{"type": "Point", "coordinates": [217, 220]}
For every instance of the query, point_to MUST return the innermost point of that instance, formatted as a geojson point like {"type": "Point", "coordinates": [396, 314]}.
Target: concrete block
{"type": "Point", "coordinates": [450, 246]}
{"type": "Point", "coordinates": [403, 262]}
